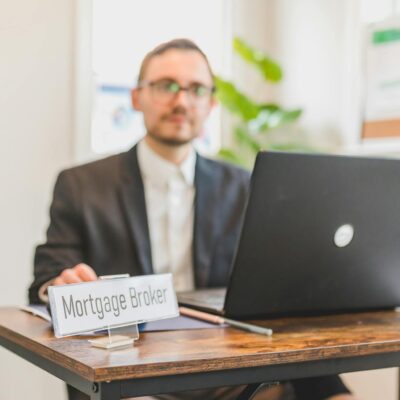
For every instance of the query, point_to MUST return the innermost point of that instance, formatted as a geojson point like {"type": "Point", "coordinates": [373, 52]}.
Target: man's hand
{"type": "Point", "coordinates": [79, 273]}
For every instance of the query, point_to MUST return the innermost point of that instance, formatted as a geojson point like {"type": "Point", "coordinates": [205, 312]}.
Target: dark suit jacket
{"type": "Point", "coordinates": [98, 216]}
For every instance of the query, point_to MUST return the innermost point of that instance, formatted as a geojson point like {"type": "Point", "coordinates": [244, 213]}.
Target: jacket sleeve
{"type": "Point", "coordinates": [65, 237]}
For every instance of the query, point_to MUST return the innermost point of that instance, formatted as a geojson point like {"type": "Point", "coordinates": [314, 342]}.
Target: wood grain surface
{"type": "Point", "coordinates": [177, 352]}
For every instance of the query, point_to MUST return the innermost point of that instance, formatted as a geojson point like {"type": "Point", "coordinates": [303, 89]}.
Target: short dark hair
{"type": "Point", "coordinates": [175, 44]}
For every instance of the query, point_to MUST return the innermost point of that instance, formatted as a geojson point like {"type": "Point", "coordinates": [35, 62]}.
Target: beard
{"type": "Point", "coordinates": [173, 142]}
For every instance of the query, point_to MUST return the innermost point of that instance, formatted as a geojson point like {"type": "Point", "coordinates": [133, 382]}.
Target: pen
{"type": "Point", "coordinates": [248, 327]}
{"type": "Point", "coordinates": [189, 312]}
{"type": "Point", "coordinates": [215, 319]}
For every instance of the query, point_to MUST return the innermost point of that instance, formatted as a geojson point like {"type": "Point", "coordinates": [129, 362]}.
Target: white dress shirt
{"type": "Point", "coordinates": [169, 194]}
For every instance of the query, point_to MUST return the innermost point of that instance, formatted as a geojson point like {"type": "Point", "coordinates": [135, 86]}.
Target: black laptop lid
{"type": "Point", "coordinates": [287, 261]}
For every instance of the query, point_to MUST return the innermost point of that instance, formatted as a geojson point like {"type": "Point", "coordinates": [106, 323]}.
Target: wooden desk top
{"type": "Point", "coordinates": [178, 352]}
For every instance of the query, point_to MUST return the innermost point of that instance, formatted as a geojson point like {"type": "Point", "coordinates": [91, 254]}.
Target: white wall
{"type": "Point", "coordinates": [36, 57]}
{"type": "Point", "coordinates": [312, 36]}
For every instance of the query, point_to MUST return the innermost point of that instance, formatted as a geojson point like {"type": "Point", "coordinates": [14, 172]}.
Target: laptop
{"type": "Point", "coordinates": [321, 234]}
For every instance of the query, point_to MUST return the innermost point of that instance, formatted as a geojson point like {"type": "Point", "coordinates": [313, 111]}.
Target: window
{"type": "Point", "coordinates": [122, 33]}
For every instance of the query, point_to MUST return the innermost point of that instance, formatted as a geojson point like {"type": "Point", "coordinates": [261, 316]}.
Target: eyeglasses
{"type": "Point", "coordinates": [165, 90]}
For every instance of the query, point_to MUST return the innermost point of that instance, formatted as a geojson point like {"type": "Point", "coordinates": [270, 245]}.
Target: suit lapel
{"type": "Point", "coordinates": [134, 205]}
{"type": "Point", "coordinates": [205, 220]}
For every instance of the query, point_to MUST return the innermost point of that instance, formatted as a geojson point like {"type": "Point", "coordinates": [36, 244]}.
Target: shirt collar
{"type": "Point", "coordinates": [160, 171]}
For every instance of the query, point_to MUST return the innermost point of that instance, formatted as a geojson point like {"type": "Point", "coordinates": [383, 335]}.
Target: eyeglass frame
{"type": "Point", "coordinates": [191, 94]}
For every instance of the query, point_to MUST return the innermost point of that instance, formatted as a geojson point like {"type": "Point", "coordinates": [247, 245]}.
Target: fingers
{"type": "Point", "coordinates": [58, 281]}
{"type": "Point", "coordinates": [79, 273]}
{"type": "Point", "coordinates": [85, 273]}
{"type": "Point", "coordinates": [69, 275]}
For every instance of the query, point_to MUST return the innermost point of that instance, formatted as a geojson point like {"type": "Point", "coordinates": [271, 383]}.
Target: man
{"type": "Point", "coordinates": [159, 207]}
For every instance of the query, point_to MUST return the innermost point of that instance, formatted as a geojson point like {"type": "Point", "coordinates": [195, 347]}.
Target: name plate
{"type": "Point", "coordinates": [84, 307]}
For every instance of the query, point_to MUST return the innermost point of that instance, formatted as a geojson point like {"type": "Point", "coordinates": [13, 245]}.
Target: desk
{"type": "Point", "coordinates": [162, 362]}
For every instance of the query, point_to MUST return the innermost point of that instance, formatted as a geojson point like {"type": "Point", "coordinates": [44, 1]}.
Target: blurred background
{"type": "Point", "coordinates": [66, 68]}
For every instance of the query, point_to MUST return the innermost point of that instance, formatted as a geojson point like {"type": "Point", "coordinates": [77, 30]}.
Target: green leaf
{"type": "Point", "coordinates": [272, 116]}
{"type": "Point", "coordinates": [270, 70]}
{"type": "Point", "coordinates": [230, 156]}
{"type": "Point", "coordinates": [246, 138]}
{"type": "Point", "coordinates": [291, 147]}
{"type": "Point", "coordinates": [269, 107]}
{"type": "Point", "coordinates": [235, 101]}
{"type": "Point", "coordinates": [291, 115]}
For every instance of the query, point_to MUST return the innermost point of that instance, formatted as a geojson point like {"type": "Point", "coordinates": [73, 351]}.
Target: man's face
{"type": "Point", "coordinates": [174, 118]}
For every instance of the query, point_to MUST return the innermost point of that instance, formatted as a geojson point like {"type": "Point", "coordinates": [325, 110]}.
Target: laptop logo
{"type": "Point", "coordinates": [344, 235]}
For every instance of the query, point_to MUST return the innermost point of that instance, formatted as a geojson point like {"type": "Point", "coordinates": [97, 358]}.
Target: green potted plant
{"type": "Point", "coordinates": [254, 121]}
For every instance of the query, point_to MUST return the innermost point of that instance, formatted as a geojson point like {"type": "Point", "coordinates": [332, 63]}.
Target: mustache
{"type": "Point", "coordinates": [179, 110]}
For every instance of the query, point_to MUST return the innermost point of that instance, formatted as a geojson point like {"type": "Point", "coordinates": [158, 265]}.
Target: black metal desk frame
{"type": "Point", "coordinates": [115, 390]}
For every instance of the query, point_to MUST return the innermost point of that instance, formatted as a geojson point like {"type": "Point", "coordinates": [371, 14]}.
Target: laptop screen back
{"type": "Point", "coordinates": [321, 234]}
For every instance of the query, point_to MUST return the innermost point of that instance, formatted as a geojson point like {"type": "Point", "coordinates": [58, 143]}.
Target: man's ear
{"type": "Point", "coordinates": [214, 102]}
{"type": "Point", "coordinates": [135, 100]}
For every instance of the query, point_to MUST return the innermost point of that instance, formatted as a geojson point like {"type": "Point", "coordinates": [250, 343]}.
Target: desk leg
{"type": "Point", "coordinates": [106, 391]}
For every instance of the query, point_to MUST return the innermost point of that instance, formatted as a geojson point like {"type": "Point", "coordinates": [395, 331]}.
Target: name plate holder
{"type": "Point", "coordinates": [118, 336]}
{"type": "Point", "coordinates": [113, 305]}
